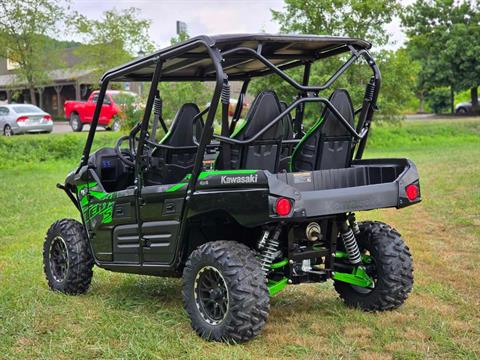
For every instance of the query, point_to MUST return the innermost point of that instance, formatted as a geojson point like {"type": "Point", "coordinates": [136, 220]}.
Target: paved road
{"type": "Point", "coordinates": [64, 127]}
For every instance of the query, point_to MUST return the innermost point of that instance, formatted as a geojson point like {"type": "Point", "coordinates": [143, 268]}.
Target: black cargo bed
{"type": "Point", "coordinates": [367, 184]}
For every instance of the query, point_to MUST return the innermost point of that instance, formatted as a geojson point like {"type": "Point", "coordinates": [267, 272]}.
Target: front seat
{"type": "Point", "coordinates": [328, 144]}
{"type": "Point", "coordinates": [171, 165]}
{"type": "Point", "coordinates": [264, 152]}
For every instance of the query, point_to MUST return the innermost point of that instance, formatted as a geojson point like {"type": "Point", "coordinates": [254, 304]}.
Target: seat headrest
{"type": "Point", "coordinates": [264, 109]}
{"type": "Point", "coordinates": [183, 129]}
{"type": "Point", "coordinates": [341, 100]}
{"type": "Point", "coordinates": [286, 123]}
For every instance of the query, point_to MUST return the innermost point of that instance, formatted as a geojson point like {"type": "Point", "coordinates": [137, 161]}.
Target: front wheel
{"type": "Point", "coordinates": [225, 292]}
{"type": "Point", "coordinates": [67, 260]}
{"type": "Point", "coordinates": [389, 264]}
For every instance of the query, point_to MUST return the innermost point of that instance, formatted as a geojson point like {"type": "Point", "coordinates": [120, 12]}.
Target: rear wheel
{"type": "Point", "coordinates": [389, 264]}
{"type": "Point", "coordinates": [462, 111]}
{"type": "Point", "coordinates": [75, 122]}
{"type": "Point", "coordinates": [7, 130]}
{"type": "Point", "coordinates": [67, 260]}
{"type": "Point", "coordinates": [225, 292]}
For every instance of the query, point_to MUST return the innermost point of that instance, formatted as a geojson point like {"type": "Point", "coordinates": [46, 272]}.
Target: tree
{"type": "Point", "coordinates": [351, 18]}
{"type": "Point", "coordinates": [443, 37]}
{"type": "Point", "coordinates": [24, 29]}
{"type": "Point", "coordinates": [175, 94]}
{"type": "Point", "coordinates": [112, 40]}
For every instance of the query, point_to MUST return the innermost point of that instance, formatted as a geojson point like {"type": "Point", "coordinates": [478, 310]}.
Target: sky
{"type": "Point", "coordinates": [205, 16]}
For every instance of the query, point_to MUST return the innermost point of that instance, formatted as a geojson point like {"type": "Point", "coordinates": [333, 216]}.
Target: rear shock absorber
{"type": "Point", "coordinates": [268, 247]}
{"type": "Point", "coordinates": [351, 246]}
{"type": "Point", "coordinates": [353, 224]}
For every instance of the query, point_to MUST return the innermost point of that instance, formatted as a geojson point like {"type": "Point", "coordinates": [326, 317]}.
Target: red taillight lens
{"type": "Point", "coordinates": [283, 207]}
{"type": "Point", "coordinates": [47, 117]}
{"type": "Point", "coordinates": [22, 118]}
{"type": "Point", "coordinates": [412, 192]}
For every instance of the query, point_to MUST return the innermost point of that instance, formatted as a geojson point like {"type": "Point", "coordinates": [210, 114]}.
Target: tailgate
{"type": "Point", "coordinates": [368, 184]}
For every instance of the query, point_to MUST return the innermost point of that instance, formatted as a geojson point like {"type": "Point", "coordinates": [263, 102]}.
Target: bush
{"type": "Point", "coordinates": [33, 149]}
{"type": "Point", "coordinates": [439, 100]}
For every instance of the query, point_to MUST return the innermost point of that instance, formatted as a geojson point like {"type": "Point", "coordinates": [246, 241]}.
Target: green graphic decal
{"type": "Point", "coordinates": [102, 206]}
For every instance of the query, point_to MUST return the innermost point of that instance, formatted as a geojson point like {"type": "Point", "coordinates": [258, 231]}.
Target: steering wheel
{"type": "Point", "coordinates": [124, 156]}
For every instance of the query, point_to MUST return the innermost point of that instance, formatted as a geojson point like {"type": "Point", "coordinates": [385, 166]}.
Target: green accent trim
{"type": "Point", "coordinates": [279, 264]}
{"type": "Point", "coordinates": [304, 138]}
{"type": "Point", "coordinates": [176, 187]}
{"type": "Point", "coordinates": [205, 174]}
{"type": "Point", "coordinates": [358, 277]}
{"type": "Point", "coordinates": [274, 287]}
{"type": "Point", "coordinates": [238, 127]}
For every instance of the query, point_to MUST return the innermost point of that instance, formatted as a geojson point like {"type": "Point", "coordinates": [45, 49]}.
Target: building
{"type": "Point", "coordinates": [64, 84]}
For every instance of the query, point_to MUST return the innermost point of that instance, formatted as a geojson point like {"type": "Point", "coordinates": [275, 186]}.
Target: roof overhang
{"type": "Point", "coordinates": [190, 60]}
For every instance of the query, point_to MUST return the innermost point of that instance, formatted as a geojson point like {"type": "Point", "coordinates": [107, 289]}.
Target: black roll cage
{"type": "Point", "coordinates": [306, 94]}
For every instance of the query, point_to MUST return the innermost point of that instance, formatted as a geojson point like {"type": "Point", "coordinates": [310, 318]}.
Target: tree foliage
{"type": "Point", "coordinates": [24, 29]}
{"type": "Point", "coordinates": [113, 40]}
{"type": "Point", "coordinates": [175, 94]}
{"type": "Point", "coordinates": [351, 18]}
{"type": "Point", "coordinates": [443, 37]}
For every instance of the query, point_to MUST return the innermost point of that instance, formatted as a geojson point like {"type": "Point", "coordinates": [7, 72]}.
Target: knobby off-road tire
{"type": "Point", "coordinates": [393, 270]}
{"type": "Point", "coordinates": [67, 259]}
{"type": "Point", "coordinates": [235, 267]}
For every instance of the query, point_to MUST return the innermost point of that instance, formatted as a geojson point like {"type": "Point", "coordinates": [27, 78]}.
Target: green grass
{"type": "Point", "coordinates": [128, 316]}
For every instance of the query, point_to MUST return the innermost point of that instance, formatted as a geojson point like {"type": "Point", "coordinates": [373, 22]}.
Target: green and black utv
{"type": "Point", "coordinates": [242, 213]}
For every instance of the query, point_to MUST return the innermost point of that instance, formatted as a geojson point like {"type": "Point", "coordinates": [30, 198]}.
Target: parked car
{"type": "Point", "coordinates": [464, 107]}
{"type": "Point", "coordinates": [24, 118]}
{"type": "Point", "coordinates": [79, 113]}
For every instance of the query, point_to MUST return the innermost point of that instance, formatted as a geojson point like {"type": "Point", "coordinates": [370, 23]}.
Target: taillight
{"type": "Point", "coordinates": [47, 117]}
{"type": "Point", "coordinates": [412, 192]}
{"type": "Point", "coordinates": [22, 119]}
{"type": "Point", "coordinates": [283, 206]}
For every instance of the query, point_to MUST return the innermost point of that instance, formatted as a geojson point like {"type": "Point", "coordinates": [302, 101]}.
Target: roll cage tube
{"type": "Point", "coordinates": [292, 106]}
{"type": "Point", "coordinates": [134, 65]}
{"type": "Point", "coordinates": [359, 134]}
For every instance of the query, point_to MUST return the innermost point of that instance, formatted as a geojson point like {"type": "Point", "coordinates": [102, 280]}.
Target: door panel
{"type": "Point", "coordinates": [159, 238]}
{"type": "Point", "coordinates": [160, 213]}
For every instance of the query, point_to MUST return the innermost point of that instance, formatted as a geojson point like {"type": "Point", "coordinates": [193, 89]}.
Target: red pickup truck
{"type": "Point", "coordinates": [79, 113]}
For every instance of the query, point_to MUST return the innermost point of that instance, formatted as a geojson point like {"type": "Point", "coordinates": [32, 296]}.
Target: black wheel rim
{"type": "Point", "coordinates": [211, 295]}
{"type": "Point", "coordinates": [58, 259]}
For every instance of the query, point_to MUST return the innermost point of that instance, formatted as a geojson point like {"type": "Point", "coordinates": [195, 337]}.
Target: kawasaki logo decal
{"type": "Point", "coordinates": [250, 179]}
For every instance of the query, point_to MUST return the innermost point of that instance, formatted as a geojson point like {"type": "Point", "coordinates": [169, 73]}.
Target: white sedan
{"type": "Point", "coordinates": [23, 118]}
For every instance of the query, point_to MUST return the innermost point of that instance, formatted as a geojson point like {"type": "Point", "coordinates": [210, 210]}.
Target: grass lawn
{"type": "Point", "coordinates": [128, 316]}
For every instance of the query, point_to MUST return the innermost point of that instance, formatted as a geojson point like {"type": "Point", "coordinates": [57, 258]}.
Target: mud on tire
{"type": "Point", "coordinates": [67, 259]}
{"type": "Point", "coordinates": [393, 265]}
{"type": "Point", "coordinates": [246, 295]}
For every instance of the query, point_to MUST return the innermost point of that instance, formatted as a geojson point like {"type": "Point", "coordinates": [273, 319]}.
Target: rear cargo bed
{"type": "Point", "coordinates": [368, 184]}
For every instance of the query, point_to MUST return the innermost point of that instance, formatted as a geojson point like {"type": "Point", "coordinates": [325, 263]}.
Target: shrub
{"type": "Point", "coordinates": [439, 100]}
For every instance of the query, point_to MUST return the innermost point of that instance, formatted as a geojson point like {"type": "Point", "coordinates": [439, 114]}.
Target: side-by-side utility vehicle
{"type": "Point", "coordinates": [269, 200]}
